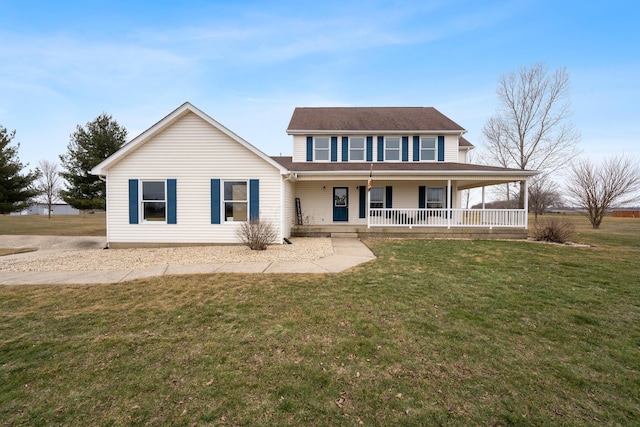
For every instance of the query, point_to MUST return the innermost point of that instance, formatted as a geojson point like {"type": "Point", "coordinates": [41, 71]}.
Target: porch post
{"type": "Point", "coordinates": [368, 206]}
{"type": "Point", "coordinates": [483, 197]}
{"type": "Point", "coordinates": [449, 203]}
{"type": "Point", "coordinates": [526, 204]}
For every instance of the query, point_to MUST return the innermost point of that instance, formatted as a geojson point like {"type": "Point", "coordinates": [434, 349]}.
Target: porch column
{"type": "Point", "coordinates": [448, 198]}
{"type": "Point", "coordinates": [526, 204]}
{"type": "Point", "coordinates": [367, 210]}
{"type": "Point", "coordinates": [483, 197]}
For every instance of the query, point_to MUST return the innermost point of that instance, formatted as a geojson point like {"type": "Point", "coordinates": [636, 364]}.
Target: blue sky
{"type": "Point", "coordinates": [248, 64]}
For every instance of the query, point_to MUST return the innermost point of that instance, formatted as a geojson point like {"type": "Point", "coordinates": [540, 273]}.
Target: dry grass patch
{"type": "Point", "coordinates": [14, 251]}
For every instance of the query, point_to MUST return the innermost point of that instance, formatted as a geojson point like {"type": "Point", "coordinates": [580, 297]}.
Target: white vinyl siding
{"type": "Point", "coordinates": [288, 208]}
{"type": "Point", "coordinates": [451, 148]}
{"type": "Point", "coordinates": [193, 152]}
{"type": "Point", "coordinates": [299, 148]}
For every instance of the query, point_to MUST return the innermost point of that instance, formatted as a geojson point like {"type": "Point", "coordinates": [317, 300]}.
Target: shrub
{"type": "Point", "coordinates": [553, 230]}
{"type": "Point", "coordinates": [257, 234]}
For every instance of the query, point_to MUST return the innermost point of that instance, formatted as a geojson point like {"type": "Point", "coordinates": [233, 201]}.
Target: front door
{"type": "Point", "coordinates": [340, 204]}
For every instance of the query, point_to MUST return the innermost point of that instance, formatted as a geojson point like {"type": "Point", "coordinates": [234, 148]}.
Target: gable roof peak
{"type": "Point", "coordinates": [168, 120]}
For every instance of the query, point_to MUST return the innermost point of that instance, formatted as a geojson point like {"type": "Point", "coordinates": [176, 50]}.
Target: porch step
{"type": "Point", "coordinates": [344, 235]}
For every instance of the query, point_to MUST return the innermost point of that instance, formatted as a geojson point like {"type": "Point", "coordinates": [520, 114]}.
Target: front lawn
{"type": "Point", "coordinates": [431, 333]}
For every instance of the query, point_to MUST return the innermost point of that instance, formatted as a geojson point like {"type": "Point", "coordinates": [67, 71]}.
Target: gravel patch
{"type": "Point", "coordinates": [302, 249]}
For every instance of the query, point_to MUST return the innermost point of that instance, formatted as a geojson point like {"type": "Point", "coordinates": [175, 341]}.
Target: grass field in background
{"type": "Point", "coordinates": [431, 333]}
{"type": "Point", "coordinates": [84, 224]}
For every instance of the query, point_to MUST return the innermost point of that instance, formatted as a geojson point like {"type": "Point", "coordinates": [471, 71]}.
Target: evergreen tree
{"type": "Point", "coordinates": [16, 189]}
{"type": "Point", "coordinates": [89, 146]}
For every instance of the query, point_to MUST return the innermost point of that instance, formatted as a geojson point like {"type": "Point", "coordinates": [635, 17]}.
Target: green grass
{"type": "Point", "coordinates": [89, 224]}
{"type": "Point", "coordinates": [432, 333]}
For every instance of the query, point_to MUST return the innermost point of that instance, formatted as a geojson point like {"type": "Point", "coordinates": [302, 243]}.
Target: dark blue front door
{"type": "Point", "coordinates": [340, 204]}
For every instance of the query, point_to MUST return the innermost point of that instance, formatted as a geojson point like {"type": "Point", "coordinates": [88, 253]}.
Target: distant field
{"type": "Point", "coordinates": [433, 332]}
{"type": "Point", "coordinates": [59, 225]}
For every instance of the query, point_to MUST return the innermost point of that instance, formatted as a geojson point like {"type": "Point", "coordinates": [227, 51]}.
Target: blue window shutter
{"type": "Point", "coordinates": [416, 148]}
{"type": "Point", "coordinates": [309, 150]}
{"type": "Point", "coordinates": [381, 148]}
{"type": "Point", "coordinates": [363, 201]}
{"type": "Point", "coordinates": [422, 203]}
{"type": "Point", "coordinates": [334, 148]}
{"type": "Point", "coordinates": [133, 201]}
{"type": "Point", "coordinates": [345, 148]}
{"type": "Point", "coordinates": [171, 201]}
{"type": "Point", "coordinates": [254, 199]}
{"type": "Point", "coordinates": [369, 149]}
{"type": "Point", "coordinates": [215, 201]}
{"type": "Point", "coordinates": [388, 202]}
{"type": "Point", "coordinates": [405, 148]}
{"type": "Point", "coordinates": [441, 148]}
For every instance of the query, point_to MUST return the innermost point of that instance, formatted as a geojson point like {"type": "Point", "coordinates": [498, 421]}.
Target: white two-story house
{"type": "Point", "coordinates": [390, 170]}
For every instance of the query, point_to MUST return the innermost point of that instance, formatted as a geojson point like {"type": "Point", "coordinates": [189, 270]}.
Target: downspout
{"type": "Point", "coordinates": [291, 176]}
{"type": "Point", "coordinates": [106, 210]}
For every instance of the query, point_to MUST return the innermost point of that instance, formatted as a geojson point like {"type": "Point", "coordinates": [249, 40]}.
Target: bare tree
{"type": "Point", "coordinates": [596, 188]}
{"type": "Point", "coordinates": [48, 183]}
{"type": "Point", "coordinates": [543, 194]}
{"type": "Point", "coordinates": [532, 128]}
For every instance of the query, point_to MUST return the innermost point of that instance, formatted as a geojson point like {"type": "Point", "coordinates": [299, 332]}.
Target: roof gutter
{"type": "Point", "coordinates": [419, 172]}
{"type": "Point", "coordinates": [375, 132]}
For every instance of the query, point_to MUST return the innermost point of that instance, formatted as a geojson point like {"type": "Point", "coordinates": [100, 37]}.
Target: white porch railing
{"type": "Point", "coordinates": [393, 217]}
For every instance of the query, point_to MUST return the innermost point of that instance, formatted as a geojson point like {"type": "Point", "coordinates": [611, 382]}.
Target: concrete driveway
{"type": "Point", "coordinates": [347, 253]}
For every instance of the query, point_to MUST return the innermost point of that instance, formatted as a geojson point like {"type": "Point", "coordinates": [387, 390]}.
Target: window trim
{"type": "Point", "coordinates": [434, 149]}
{"type": "Point", "coordinates": [387, 149]}
{"type": "Point", "coordinates": [363, 150]}
{"type": "Point", "coordinates": [316, 149]}
{"type": "Point", "coordinates": [142, 201]}
{"type": "Point", "coordinates": [224, 201]}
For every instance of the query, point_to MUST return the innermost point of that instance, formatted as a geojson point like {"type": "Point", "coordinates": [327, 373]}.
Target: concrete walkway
{"type": "Point", "coordinates": [348, 252]}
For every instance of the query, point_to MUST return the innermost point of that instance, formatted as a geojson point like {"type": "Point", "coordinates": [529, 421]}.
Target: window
{"type": "Point", "coordinates": [235, 201]}
{"type": "Point", "coordinates": [356, 148]}
{"type": "Point", "coordinates": [154, 203]}
{"type": "Point", "coordinates": [435, 198]}
{"type": "Point", "coordinates": [321, 149]}
{"type": "Point", "coordinates": [392, 148]}
{"type": "Point", "coordinates": [428, 148]}
{"type": "Point", "coordinates": [376, 198]}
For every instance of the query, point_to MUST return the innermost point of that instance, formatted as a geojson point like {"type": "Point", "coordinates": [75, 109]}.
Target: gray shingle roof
{"type": "Point", "coordinates": [370, 119]}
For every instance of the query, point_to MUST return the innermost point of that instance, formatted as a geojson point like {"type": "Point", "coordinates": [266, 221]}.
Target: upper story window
{"type": "Point", "coordinates": [356, 148]}
{"type": "Point", "coordinates": [428, 148]}
{"type": "Point", "coordinates": [392, 148]}
{"type": "Point", "coordinates": [154, 202]}
{"type": "Point", "coordinates": [235, 201]}
{"type": "Point", "coordinates": [321, 148]}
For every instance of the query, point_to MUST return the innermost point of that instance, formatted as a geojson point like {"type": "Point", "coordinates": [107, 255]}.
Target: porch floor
{"type": "Point", "coordinates": [416, 232]}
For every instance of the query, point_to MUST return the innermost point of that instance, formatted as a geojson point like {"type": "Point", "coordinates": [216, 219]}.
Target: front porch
{"type": "Point", "coordinates": [429, 223]}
